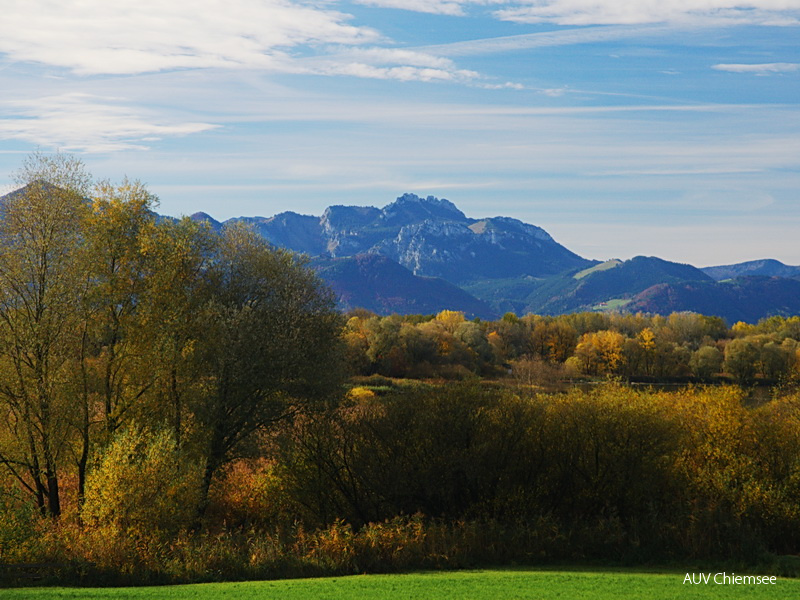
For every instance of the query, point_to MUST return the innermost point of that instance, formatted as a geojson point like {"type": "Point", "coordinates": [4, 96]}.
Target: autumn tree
{"type": "Point", "coordinates": [741, 359]}
{"type": "Point", "coordinates": [774, 360]}
{"type": "Point", "coordinates": [706, 361]}
{"type": "Point", "coordinates": [117, 269]}
{"type": "Point", "coordinates": [142, 486]}
{"type": "Point", "coordinates": [178, 255]}
{"type": "Point", "coordinates": [269, 345]}
{"type": "Point", "coordinates": [40, 289]}
{"type": "Point", "coordinates": [601, 353]}
{"type": "Point", "coordinates": [552, 340]}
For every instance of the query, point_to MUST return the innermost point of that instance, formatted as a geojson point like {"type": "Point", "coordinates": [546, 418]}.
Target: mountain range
{"type": "Point", "coordinates": [422, 255]}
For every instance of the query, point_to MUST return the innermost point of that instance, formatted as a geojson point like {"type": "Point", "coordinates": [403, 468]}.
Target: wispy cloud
{"type": "Point", "coordinates": [618, 12]}
{"type": "Point", "coordinates": [400, 73]}
{"type": "Point", "coordinates": [82, 122]}
{"type": "Point", "coordinates": [388, 63]}
{"type": "Point", "coordinates": [686, 12]}
{"type": "Point", "coordinates": [136, 36]}
{"type": "Point", "coordinates": [436, 7]}
{"type": "Point", "coordinates": [563, 37]}
{"type": "Point", "coordinates": [759, 69]}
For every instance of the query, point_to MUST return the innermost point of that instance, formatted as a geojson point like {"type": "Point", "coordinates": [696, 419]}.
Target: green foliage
{"type": "Point", "coordinates": [741, 359]}
{"type": "Point", "coordinates": [20, 525]}
{"type": "Point", "coordinates": [706, 361]}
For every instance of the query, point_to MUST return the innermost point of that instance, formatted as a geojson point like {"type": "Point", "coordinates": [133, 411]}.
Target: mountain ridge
{"type": "Point", "coordinates": [423, 254]}
{"type": "Point", "coordinates": [507, 265]}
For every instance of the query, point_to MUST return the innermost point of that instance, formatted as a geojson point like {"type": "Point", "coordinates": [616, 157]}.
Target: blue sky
{"type": "Point", "coordinates": [656, 127]}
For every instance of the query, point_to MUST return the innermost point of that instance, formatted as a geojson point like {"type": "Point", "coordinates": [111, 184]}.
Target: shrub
{"type": "Point", "coordinates": [142, 486]}
{"type": "Point", "coordinates": [20, 527]}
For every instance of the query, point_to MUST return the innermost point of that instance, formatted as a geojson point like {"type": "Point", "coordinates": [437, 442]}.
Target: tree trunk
{"type": "Point", "coordinates": [83, 460]}
{"type": "Point", "coordinates": [176, 404]}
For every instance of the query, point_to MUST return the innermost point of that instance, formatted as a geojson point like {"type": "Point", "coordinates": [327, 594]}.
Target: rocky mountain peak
{"type": "Point", "coordinates": [410, 208]}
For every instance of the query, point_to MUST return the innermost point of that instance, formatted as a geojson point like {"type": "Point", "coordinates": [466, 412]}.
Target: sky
{"type": "Point", "coordinates": [665, 128]}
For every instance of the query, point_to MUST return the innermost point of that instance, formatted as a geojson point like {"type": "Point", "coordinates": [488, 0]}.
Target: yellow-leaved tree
{"type": "Point", "coordinates": [41, 291]}
{"type": "Point", "coordinates": [600, 352]}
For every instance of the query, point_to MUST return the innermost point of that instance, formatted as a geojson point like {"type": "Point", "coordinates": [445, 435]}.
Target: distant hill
{"type": "Point", "coordinates": [743, 299]}
{"type": "Point", "coordinates": [379, 284]}
{"type": "Point", "coordinates": [767, 267]}
{"type": "Point", "coordinates": [602, 286]}
{"type": "Point", "coordinates": [615, 283]}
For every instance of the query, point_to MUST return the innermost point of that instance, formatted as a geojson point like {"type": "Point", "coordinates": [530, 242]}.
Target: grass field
{"type": "Point", "coordinates": [613, 304]}
{"type": "Point", "coordinates": [473, 585]}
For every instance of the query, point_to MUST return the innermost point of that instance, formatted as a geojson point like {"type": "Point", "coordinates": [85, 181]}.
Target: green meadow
{"type": "Point", "coordinates": [475, 585]}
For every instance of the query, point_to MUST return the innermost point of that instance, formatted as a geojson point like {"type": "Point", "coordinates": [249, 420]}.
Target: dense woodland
{"type": "Point", "coordinates": [185, 405]}
{"type": "Point", "coordinates": [680, 347]}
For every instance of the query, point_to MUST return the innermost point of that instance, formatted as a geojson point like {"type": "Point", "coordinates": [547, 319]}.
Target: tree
{"type": "Point", "coordinates": [741, 358]}
{"type": "Point", "coordinates": [41, 286]}
{"type": "Point", "coordinates": [269, 345]}
{"type": "Point", "coordinates": [552, 340]}
{"type": "Point", "coordinates": [450, 320]}
{"type": "Point", "coordinates": [706, 361]}
{"type": "Point", "coordinates": [601, 352]}
{"type": "Point", "coordinates": [647, 343]}
{"type": "Point", "coordinates": [117, 269]}
{"type": "Point", "coordinates": [774, 360]}
{"type": "Point", "coordinates": [109, 315]}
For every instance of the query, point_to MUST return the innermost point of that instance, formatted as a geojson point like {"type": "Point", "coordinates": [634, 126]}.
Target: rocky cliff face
{"type": "Point", "coordinates": [495, 248]}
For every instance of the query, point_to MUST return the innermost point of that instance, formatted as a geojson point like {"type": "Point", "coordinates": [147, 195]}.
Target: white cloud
{"type": "Point", "coordinates": [617, 12]}
{"type": "Point", "coordinates": [82, 122]}
{"type": "Point", "coordinates": [388, 63]}
{"type": "Point", "coordinates": [508, 85]}
{"type": "Point", "coordinates": [759, 69]}
{"type": "Point", "coordinates": [400, 73]}
{"type": "Point", "coordinates": [96, 37]}
{"type": "Point", "coordinates": [414, 58]}
{"type": "Point", "coordinates": [437, 7]}
{"type": "Point", "coordinates": [136, 36]}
